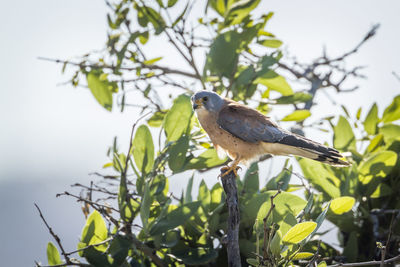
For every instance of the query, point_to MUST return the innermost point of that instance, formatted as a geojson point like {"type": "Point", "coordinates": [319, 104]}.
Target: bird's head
{"type": "Point", "coordinates": [208, 100]}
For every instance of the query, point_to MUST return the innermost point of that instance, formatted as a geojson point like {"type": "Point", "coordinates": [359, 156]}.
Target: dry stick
{"type": "Point", "coordinates": [58, 240]}
{"type": "Point", "coordinates": [266, 229]}
{"type": "Point", "coordinates": [166, 70]}
{"type": "Point", "coordinates": [232, 246]}
{"type": "Point", "coordinates": [366, 263]}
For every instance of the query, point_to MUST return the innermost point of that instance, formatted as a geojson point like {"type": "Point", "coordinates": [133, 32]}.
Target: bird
{"type": "Point", "coordinates": [245, 134]}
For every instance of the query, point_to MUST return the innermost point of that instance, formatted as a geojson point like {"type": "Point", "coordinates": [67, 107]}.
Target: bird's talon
{"type": "Point", "coordinates": [228, 169]}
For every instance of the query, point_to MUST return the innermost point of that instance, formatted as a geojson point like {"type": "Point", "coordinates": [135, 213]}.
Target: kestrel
{"type": "Point", "coordinates": [245, 134]}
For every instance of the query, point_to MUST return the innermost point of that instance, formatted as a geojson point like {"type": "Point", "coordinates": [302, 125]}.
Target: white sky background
{"type": "Point", "coordinates": [53, 136]}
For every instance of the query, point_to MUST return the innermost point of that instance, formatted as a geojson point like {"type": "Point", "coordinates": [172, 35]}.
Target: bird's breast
{"type": "Point", "coordinates": [231, 144]}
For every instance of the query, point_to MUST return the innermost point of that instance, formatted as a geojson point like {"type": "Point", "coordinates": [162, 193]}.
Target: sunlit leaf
{"type": "Point", "coordinates": [143, 149]}
{"type": "Point", "coordinates": [177, 154]}
{"type": "Point", "coordinates": [175, 218]}
{"type": "Point", "coordinates": [303, 255]}
{"type": "Point", "coordinates": [94, 232]}
{"type": "Point", "coordinates": [145, 207]}
{"type": "Point", "coordinates": [341, 205]}
{"type": "Point", "coordinates": [275, 82]}
{"type": "Point", "coordinates": [392, 112]}
{"type": "Point", "coordinates": [371, 120]}
{"type": "Point", "coordinates": [207, 159]}
{"type": "Point", "coordinates": [204, 196]}
{"type": "Point", "coordinates": [299, 232]}
{"type": "Point", "coordinates": [296, 98]}
{"type": "Point", "coordinates": [321, 177]}
{"type": "Point", "coordinates": [378, 164]}
{"type": "Point", "coordinates": [343, 135]}
{"type": "Point", "coordinates": [53, 256]}
{"type": "Point", "coordinates": [297, 115]}
{"type": "Point", "coordinates": [101, 89]}
{"type": "Point", "coordinates": [223, 55]}
{"type": "Point", "coordinates": [322, 264]}
{"type": "Point", "coordinates": [276, 243]}
{"type": "Point", "coordinates": [178, 118]}
{"type": "Point", "coordinates": [272, 43]}
{"type": "Point", "coordinates": [390, 132]}
{"type": "Point", "coordinates": [239, 10]}
{"type": "Point", "coordinates": [381, 191]}
{"type": "Point", "coordinates": [152, 61]}
{"type": "Point", "coordinates": [157, 119]}
{"type": "Point", "coordinates": [376, 142]}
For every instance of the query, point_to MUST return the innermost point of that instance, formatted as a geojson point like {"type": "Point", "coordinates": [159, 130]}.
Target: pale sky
{"type": "Point", "coordinates": [53, 136]}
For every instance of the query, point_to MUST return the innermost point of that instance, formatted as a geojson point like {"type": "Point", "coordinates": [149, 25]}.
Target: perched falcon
{"type": "Point", "coordinates": [245, 134]}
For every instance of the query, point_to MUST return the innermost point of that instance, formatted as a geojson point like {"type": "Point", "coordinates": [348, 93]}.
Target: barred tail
{"type": "Point", "coordinates": [301, 146]}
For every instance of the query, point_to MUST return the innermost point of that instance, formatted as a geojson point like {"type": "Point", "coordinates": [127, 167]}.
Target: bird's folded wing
{"type": "Point", "coordinates": [248, 124]}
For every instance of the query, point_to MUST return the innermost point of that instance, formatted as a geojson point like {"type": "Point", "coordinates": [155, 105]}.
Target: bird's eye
{"type": "Point", "coordinates": [205, 99]}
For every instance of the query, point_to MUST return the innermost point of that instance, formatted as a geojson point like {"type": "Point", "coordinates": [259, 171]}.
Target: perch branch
{"type": "Point", "coordinates": [232, 246]}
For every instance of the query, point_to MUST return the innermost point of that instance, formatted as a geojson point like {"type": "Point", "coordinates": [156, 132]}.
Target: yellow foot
{"type": "Point", "coordinates": [228, 169]}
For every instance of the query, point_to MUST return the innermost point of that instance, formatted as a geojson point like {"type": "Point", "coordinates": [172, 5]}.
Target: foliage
{"type": "Point", "coordinates": [137, 222]}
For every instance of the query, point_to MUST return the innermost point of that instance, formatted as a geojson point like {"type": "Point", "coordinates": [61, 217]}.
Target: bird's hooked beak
{"type": "Point", "coordinates": [197, 103]}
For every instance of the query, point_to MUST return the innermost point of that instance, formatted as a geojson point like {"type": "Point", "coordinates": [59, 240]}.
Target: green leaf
{"type": "Point", "coordinates": [350, 250]}
{"type": "Point", "coordinates": [170, 238]}
{"type": "Point", "coordinates": [303, 255]}
{"type": "Point", "coordinates": [207, 159]}
{"type": "Point", "coordinates": [392, 112]}
{"type": "Point", "coordinates": [143, 149]}
{"type": "Point", "coordinates": [296, 98]}
{"type": "Point", "coordinates": [154, 18]}
{"type": "Point", "coordinates": [178, 118]}
{"type": "Point", "coordinates": [371, 120]}
{"type": "Point", "coordinates": [341, 205]}
{"type": "Point", "coordinates": [251, 182]}
{"type": "Point", "coordinates": [321, 218]}
{"type": "Point", "coordinates": [94, 232]}
{"type": "Point", "coordinates": [297, 115]}
{"type": "Point", "coordinates": [152, 61]}
{"type": "Point", "coordinates": [344, 138]}
{"type": "Point", "coordinates": [177, 154]}
{"type": "Point", "coordinates": [375, 142]}
{"type": "Point", "coordinates": [390, 132]}
{"type": "Point", "coordinates": [285, 204]}
{"type": "Point", "coordinates": [217, 193]}
{"type": "Point", "coordinates": [239, 10]}
{"type": "Point", "coordinates": [101, 88]}
{"type": "Point", "coordinates": [382, 190]}
{"type": "Point", "coordinates": [322, 178]}
{"type": "Point", "coordinates": [223, 56]}
{"type": "Point", "coordinates": [145, 207]}
{"type": "Point", "coordinates": [253, 262]}
{"type": "Point", "coordinates": [299, 232]}
{"type": "Point", "coordinates": [53, 256]}
{"type": "Point", "coordinates": [281, 180]}
{"type": "Point", "coordinates": [275, 82]}
{"type": "Point", "coordinates": [119, 248]}
{"type": "Point", "coordinates": [188, 194]}
{"type": "Point", "coordinates": [273, 43]}
{"type": "Point", "coordinates": [157, 119]}
{"type": "Point", "coordinates": [171, 3]}
{"type": "Point", "coordinates": [275, 245]}
{"type": "Point", "coordinates": [175, 218]}
{"type": "Point", "coordinates": [379, 164]}
{"type": "Point", "coordinates": [322, 264]}
{"type": "Point", "coordinates": [204, 196]}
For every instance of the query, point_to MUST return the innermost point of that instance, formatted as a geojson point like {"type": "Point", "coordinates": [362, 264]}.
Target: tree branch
{"type": "Point", "coordinates": [232, 246]}
{"type": "Point", "coordinates": [366, 263]}
{"type": "Point", "coordinates": [166, 70]}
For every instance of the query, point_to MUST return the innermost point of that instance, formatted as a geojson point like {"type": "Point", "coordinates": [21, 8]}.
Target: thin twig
{"type": "Point", "coordinates": [366, 263]}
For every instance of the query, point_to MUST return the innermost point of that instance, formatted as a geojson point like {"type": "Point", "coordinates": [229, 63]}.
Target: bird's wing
{"type": "Point", "coordinates": [248, 124]}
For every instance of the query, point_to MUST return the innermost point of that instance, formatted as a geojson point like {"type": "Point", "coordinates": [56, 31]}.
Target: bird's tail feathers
{"type": "Point", "coordinates": [301, 146]}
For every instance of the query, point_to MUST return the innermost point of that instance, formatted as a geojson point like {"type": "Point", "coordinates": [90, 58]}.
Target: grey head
{"type": "Point", "coordinates": [207, 99]}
